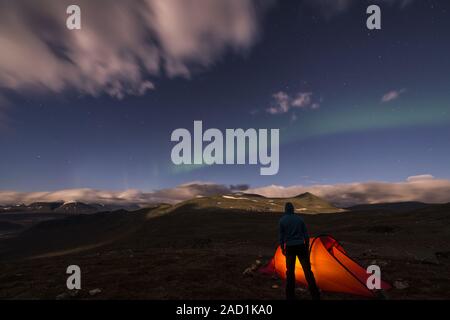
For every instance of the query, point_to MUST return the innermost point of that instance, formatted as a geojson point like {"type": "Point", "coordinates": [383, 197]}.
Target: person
{"type": "Point", "coordinates": [294, 242]}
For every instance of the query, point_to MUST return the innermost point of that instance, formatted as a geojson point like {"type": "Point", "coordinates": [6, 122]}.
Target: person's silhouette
{"type": "Point", "coordinates": [294, 242]}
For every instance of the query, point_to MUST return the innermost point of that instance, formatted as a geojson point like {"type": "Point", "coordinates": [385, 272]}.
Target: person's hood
{"type": "Point", "coordinates": [290, 210]}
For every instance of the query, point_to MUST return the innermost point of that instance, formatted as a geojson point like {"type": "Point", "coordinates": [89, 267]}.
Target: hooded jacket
{"type": "Point", "coordinates": [292, 228]}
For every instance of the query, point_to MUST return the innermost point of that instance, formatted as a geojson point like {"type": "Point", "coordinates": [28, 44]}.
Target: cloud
{"type": "Point", "coordinates": [124, 198]}
{"type": "Point", "coordinates": [392, 95]}
{"type": "Point", "coordinates": [419, 178]}
{"type": "Point", "coordinates": [303, 100]}
{"type": "Point", "coordinates": [123, 45]}
{"type": "Point", "coordinates": [283, 102]}
{"type": "Point", "coordinates": [423, 188]}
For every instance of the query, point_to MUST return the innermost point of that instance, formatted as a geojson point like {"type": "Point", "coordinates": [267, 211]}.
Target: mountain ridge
{"type": "Point", "coordinates": [305, 203]}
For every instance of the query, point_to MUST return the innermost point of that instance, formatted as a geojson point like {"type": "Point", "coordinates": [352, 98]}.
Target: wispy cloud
{"type": "Point", "coordinates": [419, 178]}
{"type": "Point", "coordinates": [123, 45]}
{"type": "Point", "coordinates": [423, 188]}
{"type": "Point", "coordinates": [392, 95]}
{"type": "Point", "coordinates": [283, 102]}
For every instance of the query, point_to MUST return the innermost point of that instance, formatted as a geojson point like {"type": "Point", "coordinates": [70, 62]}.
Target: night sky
{"type": "Point", "coordinates": [376, 104]}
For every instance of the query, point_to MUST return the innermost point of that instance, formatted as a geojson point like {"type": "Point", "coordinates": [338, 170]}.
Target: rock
{"type": "Point", "coordinates": [74, 293]}
{"type": "Point", "coordinates": [63, 296]}
{"type": "Point", "coordinates": [252, 268]}
{"type": "Point", "coordinates": [247, 272]}
{"type": "Point", "coordinates": [95, 292]}
{"type": "Point", "coordinates": [400, 284]}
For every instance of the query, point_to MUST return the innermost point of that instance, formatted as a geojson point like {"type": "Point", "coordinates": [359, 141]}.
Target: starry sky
{"type": "Point", "coordinates": [352, 104]}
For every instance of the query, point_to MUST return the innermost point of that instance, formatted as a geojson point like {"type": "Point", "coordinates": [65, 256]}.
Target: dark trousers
{"type": "Point", "coordinates": [302, 252]}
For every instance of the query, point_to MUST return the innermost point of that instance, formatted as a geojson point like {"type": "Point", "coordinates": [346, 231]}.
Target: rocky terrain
{"type": "Point", "coordinates": [211, 248]}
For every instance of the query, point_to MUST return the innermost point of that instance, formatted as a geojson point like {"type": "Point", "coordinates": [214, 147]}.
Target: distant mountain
{"type": "Point", "coordinates": [78, 208]}
{"type": "Point", "coordinates": [310, 201]}
{"type": "Point", "coordinates": [37, 207]}
{"type": "Point", "coordinates": [44, 206]}
{"type": "Point", "coordinates": [306, 203]}
{"type": "Point", "coordinates": [394, 206]}
{"type": "Point", "coordinates": [11, 209]}
{"type": "Point", "coordinates": [72, 207]}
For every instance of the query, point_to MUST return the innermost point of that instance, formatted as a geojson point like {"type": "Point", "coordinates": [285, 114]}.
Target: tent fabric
{"type": "Point", "coordinates": [333, 269]}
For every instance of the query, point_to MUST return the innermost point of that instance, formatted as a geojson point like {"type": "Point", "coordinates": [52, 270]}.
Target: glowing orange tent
{"type": "Point", "coordinates": [333, 269]}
